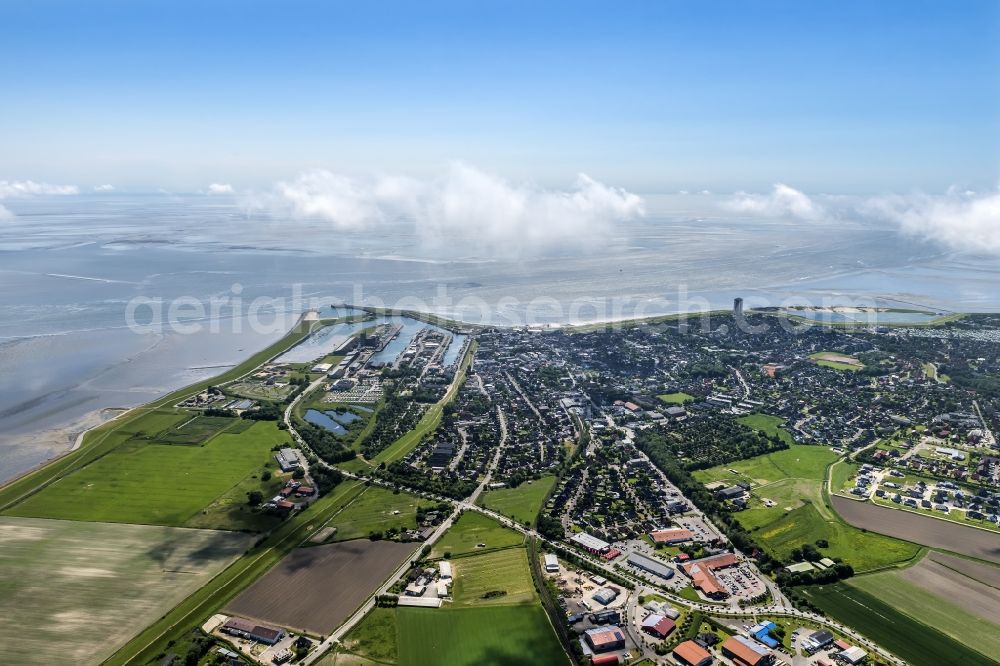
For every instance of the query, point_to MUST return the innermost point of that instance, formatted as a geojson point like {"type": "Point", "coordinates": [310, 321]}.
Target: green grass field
{"type": "Point", "coordinates": [196, 430]}
{"type": "Point", "coordinates": [506, 570]}
{"type": "Point", "coordinates": [157, 484]}
{"type": "Point", "coordinates": [523, 503]}
{"type": "Point", "coordinates": [373, 639]}
{"type": "Point", "coordinates": [792, 480]}
{"type": "Point", "coordinates": [769, 425]}
{"type": "Point", "coordinates": [496, 635]}
{"type": "Point", "coordinates": [374, 510]}
{"type": "Point", "coordinates": [678, 398]}
{"type": "Point", "coordinates": [474, 528]}
{"type": "Point", "coordinates": [931, 609]}
{"type": "Point", "coordinates": [74, 592]}
{"type": "Point", "coordinates": [918, 643]}
{"type": "Point", "coordinates": [826, 360]}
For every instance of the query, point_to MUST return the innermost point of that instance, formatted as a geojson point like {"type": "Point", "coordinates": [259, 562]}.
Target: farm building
{"type": "Point", "coordinates": [262, 633]}
{"type": "Point", "coordinates": [420, 602]}
{"type": "Point", "coordinates": [605, 660]}
{"type": "Point", "coordinates": [442, 589]}
{"type": "Point", "coordinates": [551, 563]}
{"type": "Point", "coordinates": [445, 569]}
{"type": "Point", "coordinates": [590, 543]}
{"type": "Point", "coordinates": [605, 596]}
{"type": "Point", "coordinates": [658, 625]}
{"type": "Point", "coordinates": [690, 653]}
{"type": "Point", "coordinates": [653, 566]}
{"type": "Point", "coordinates": [605, 639]}
{"type": "Point", "coordinates": [744, 652]}
{"type": "Point", "coordinates": [671, 536]}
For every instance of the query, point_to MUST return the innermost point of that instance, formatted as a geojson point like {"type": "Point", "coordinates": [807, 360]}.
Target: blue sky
{"type": "Point", "coordinates": [858, 97]}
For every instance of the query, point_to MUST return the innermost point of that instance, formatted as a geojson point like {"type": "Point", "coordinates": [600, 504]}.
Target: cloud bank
{"type": "Point", "coordinates": [27, 188]}
{"type": "Point", "coordinates": [104, 188]}
{"type": "Point", "coordinates": [220, 188]}
{"type": "Point", "coordinates": [963, 220]}
{"type": "Point", "coordinates": [465, 207]}
{"type": "Point", "coordinates": [11, 189]}
{"type": "Point", "coordinates": [781, 201]}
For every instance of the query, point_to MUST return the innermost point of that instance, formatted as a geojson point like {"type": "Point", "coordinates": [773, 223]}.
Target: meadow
{"type": "Point", "coordinates": [498, 635]}
{"type": "Point", "coordinates": [792, 481]}
{"type": "Point", "coordinates": [917, 643]}
{"type": "Point", "coordinates": [473, 528]}
{"type": "Point", "coordinates": [523, 503]}
{"type": "Point", "coordinates": [74, 592]}
{"type": "Point", "coordinates": [678, 398]}
{"type": "Point", "coordinates": [158, 484]}
{"type": "Point", "coordinates": [375, 510]}
{"type": "Point", "coordinates": [836, 361]}
{"type": "Point", "coordinates": [502, 570]}
{"type": "Point", "coordinates": [374, 638]}
{"type": "Point", "coordinates": [769, 425]}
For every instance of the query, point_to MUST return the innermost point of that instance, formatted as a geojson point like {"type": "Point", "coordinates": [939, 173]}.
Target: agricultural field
{"type": "Point", "coordinates": [198, 429]}
{"type": "Point", "coordinates": [768, 425]}
{"type": "Point", "coordinates": [836, 361]}
{"type": "Point", "coordinates": [523, 503]}
{"type": "Point", "coordinates": [260, 391]}
{"type": "Point", "coordinates": [503, 570]}
{"type": "Point", "coordinates": [375, 510]}
{"type": "Point", "coordinates": [958, 604]}
{"type": "Point", "coordinates": [74, 592]}
{"type": "Point", "coordinates": [678, 398]}
{"type": "Point", "coordinates": [315, 589]}
{"type": "Point", "coordinates": [920, 529]}
{"type": "Point", "coordinates": [918, 643]}
{"type": "Point", "coordinates": [159, 484]}
{"type": "Point", "coordinates": [496, 635]}
{"type": "Point", "coordinates": [471, 529]}
{"type": "Point", "coordinates": [789, 508]}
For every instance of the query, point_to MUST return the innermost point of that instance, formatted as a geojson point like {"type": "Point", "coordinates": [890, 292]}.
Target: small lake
{"type": "Point", "coordinates": [331, 419]}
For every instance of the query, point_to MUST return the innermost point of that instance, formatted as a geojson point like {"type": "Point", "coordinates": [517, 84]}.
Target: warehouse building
{"type": "Point", "coordinates": [605, 639]}
{"type": "Point", "coordinates": [853, 655]}
{"type": "Point", "coordinates": [671, 536]}
{"type": "Point", "coordinates": [605, 596]}
{"type": "Point", "coordinates": [590, 543]}
{"type": "Point", "coordinates": [551, 563]}
{"type": "Point", "coordinates": [762, 633]}
{"type": "Point", "coordinates": [690, 653]}
{"type": "Point", "coordinates": [817, 640]}
{"type": "Point", "coordinates": [650, 565]}
{"type": "Point", "coordinates": [658, 625]}
{"type": "Point", "coordinates": [744, 652]}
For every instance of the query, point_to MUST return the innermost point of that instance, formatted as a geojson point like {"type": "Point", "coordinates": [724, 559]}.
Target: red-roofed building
{"type": "Point", "coordinates": [690, 653]}
{"type": "Point", "coordinates": [658, 625]}
{"type": "Point", "coordinates": [671, 536]}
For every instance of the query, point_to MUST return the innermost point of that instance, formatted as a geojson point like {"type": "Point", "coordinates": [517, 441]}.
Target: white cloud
{"type": "Point", "coordinates": [464, 207]}
{"type": "Point", "coordinates": [781, 201]}
{"type": "Point", "coordinates": [220, 188]}
{"type": "Point", "coordinates": [104, 188]}
{"type": "Point", "coordinates": [27, 188]}
{"type": "Point", "coordinates": [962, 220]}
{"type": "Point", "coordinates": [5, 213]}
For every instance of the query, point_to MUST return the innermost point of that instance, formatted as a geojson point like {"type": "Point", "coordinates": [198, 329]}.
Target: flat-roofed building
{"type": "Point", "coordinates": [605, 639]}
{"type": "Point", "coordinates": [590, 543]}
{"type": "Point", "coordinates": [745, 652]}
{"type": "Point", "coordinates": [551, 563]}
{"type": "Point", "coordinates": [650, 565]}
{"type": "Point", "coordinates": [671, 536]}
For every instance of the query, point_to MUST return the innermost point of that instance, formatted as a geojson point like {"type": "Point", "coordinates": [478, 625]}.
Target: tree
{"type": "Point", "coordinates": [266, 476]}
{"type": "Point", "coordinates": [299, 474]}
{"type": "Point", "coordinates": [255, 497]}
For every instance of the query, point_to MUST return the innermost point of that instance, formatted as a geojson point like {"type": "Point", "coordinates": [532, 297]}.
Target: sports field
{"type": "Point", "coordinates": [918, 643]}
{"type": "Point", "coordinates": [678, 398]}
{"type": "Point", "coordinates": [836, 361]}
{"type": "Point", "coordinates": [769, 425]}
{"type": "Point", "coordinates": [789, 508]}
{"type": "Point", "coordinates": [522, 503]}
{"type": "Point", "coordinates": [496, 635]}
{"type": "Point", "coordinates": [158, 484]}
{"type": "Point", "coordinates": [954, 603]}
{"type": "Point", "coordinates": [476, 576]}
{"type": "Point", "coordinates": [375, 510]}
{"type": "Point", "coordinates": [471, 529]}
{"type": "Point", "coordinates": [74, 592]}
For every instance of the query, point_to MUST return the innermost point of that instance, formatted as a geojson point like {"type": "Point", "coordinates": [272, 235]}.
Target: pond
{"type": "Point", "coordinates": [331, 419]}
